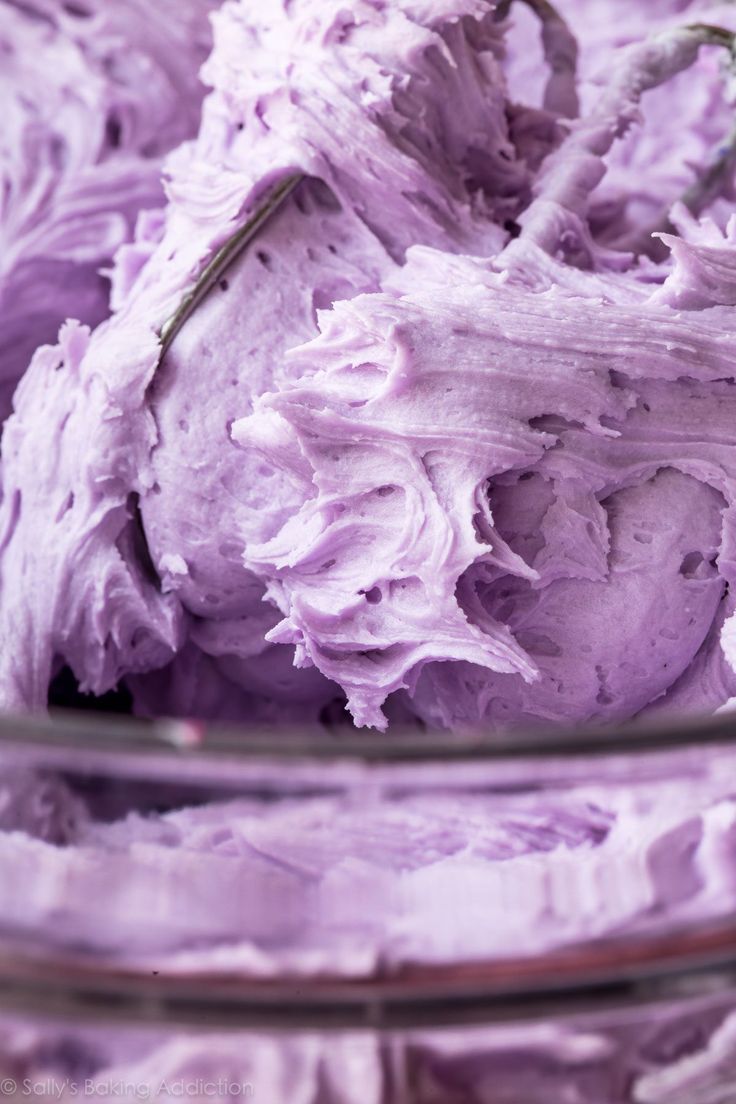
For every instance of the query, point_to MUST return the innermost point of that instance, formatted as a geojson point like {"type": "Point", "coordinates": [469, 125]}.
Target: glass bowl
{"type": "Point", "coordinates": [216, 914]}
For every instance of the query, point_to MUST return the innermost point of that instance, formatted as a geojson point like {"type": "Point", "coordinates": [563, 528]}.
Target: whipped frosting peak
{"type": "Point", "coordinates": [435, 444]}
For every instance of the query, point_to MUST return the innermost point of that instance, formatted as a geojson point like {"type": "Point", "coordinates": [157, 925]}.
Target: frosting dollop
{"type": "Point", "coordinates": [435, 445]}
{"type": "Point", "coordinates": [94, 96]}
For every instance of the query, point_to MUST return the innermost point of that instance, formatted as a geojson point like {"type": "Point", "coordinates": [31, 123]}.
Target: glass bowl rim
{"type": "Point", "coordinates": [54, 986]}
{"type": "Point", "coordinates": [113, 734]}
{"type": "Point", "coordinates": [67, 992]}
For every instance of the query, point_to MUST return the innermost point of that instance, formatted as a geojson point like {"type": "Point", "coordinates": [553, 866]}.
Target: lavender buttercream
{"type": "Point", "coordinates": [94, 95]}
{"type": "Point", "coordinates": [433, 440]}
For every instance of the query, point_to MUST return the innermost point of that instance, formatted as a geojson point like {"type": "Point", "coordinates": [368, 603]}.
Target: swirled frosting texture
{"type": "Point", "coordinates": [94, 95]}
{"type": "Point", "coordinates": [441, 444]}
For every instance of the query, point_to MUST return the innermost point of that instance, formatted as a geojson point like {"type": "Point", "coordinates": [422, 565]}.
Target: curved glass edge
{"type": "Point", "coordinates": [106, 732]}
{"type": "Point", "coordinates": [600, 977]}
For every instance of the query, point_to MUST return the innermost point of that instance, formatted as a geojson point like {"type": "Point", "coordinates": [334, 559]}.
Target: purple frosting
{"type": "Point", "coordinates": [366, 882]}
{"type": "Point", "coordinates": [442, 443]}
{"type": "Point", "coordinates": [347, 883]}
{"type": "Point", "coordinates": [94, 95]}
{"type": "Point", "coordinates": [452, 442]}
